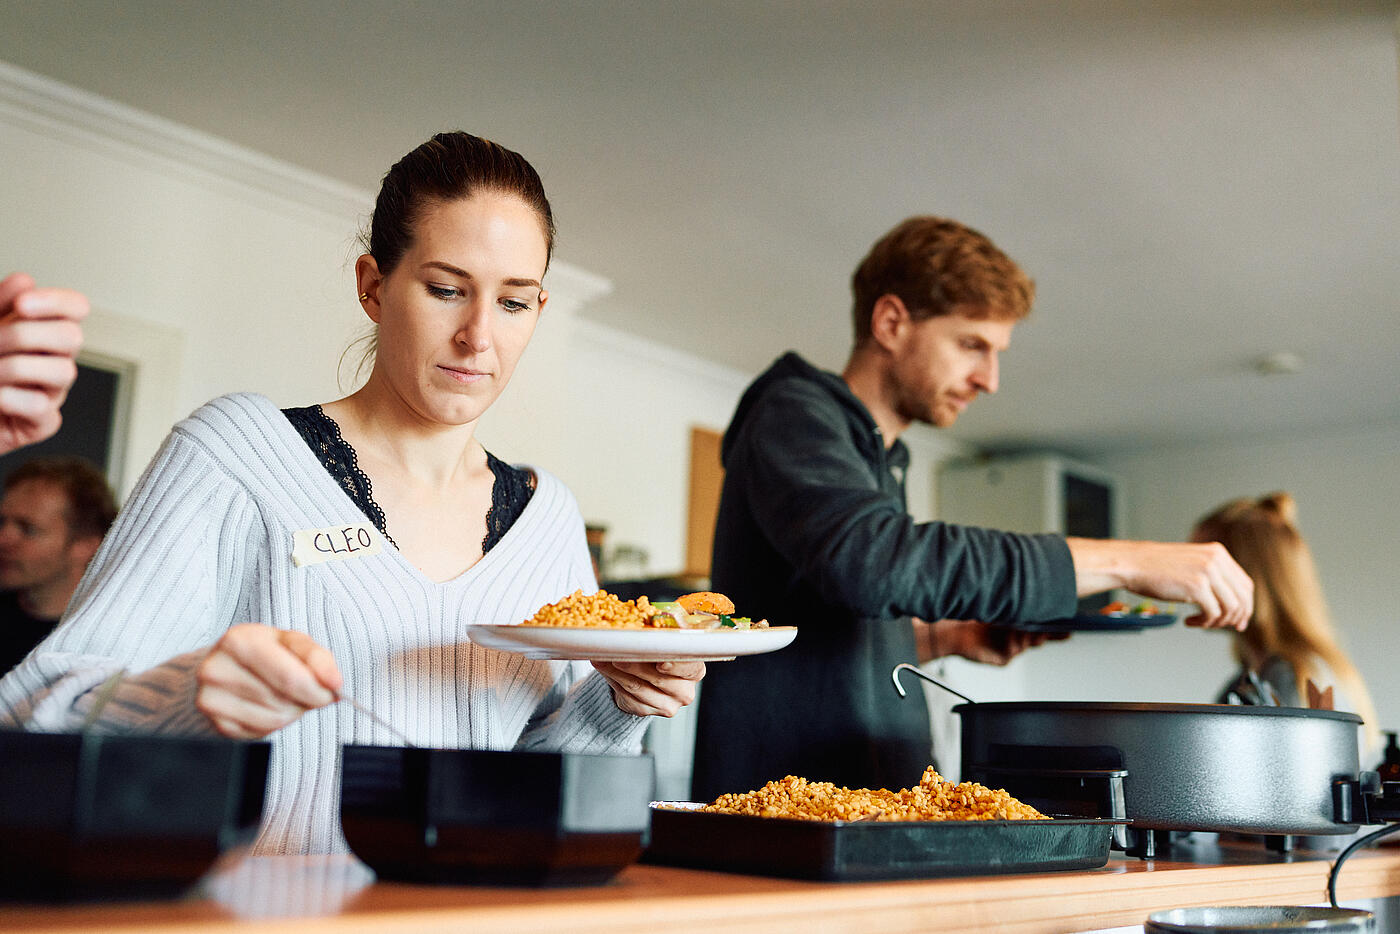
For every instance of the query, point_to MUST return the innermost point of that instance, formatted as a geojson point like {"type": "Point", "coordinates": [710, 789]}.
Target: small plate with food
{"type": "Point", "coordinates": [601, 627]}
{"type": "Point", "coordinates": [1116, 617]}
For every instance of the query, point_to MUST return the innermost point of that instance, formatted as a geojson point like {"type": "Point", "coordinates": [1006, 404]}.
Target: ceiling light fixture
{"type": "Point", "coordinates": [1278, 363]}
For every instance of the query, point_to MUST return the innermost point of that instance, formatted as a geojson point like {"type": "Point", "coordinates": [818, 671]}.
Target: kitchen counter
{"type": "Point", "coordinates": [337, 894]}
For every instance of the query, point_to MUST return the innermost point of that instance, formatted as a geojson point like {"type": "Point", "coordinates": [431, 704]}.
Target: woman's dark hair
{"type": "Point", "coordinates": [449, 167]}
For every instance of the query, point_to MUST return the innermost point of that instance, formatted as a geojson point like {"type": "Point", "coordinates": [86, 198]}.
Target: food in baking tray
{"type": "Point", "coordinates": [933, 799]}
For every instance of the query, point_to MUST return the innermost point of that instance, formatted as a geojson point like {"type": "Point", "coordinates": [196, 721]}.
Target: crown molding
{"type": "Point", "coordinates": [576, 287]}
{"type": "Point", "coordinates": [672, 359]}
{"type": "Point", "coordinates": [72, 116]}
{"type": "Point", "coordinates": [76, 117]}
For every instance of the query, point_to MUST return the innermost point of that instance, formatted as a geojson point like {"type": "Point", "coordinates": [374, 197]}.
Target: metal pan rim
{"type": "Point", "coordinates": [1258, 919]}
{"type": "Point", "coordinates": [1150, 708]}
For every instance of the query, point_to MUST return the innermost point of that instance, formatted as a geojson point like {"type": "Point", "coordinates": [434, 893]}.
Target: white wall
{"type": "Point", "coordinates": [632, 409]}
{"type": "Point", "coordinates": [222, 270]}
{"type": "Point", "coordinates": [238, 282]}
{"type": "Point", "coordinates": [1347, 485]}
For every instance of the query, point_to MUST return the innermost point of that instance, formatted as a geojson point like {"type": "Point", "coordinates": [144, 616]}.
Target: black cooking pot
{"type": "Point", "coordinates": [1208, 767]}
{"type": "Point", "coordinates": [1189, 767]}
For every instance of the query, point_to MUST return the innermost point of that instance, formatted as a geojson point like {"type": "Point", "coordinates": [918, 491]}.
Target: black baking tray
{"type": "Point", "coordinates": [849, 851]}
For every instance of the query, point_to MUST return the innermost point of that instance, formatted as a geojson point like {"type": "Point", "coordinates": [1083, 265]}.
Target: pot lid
{"type": "Point", "coordinates": [1231, 710]}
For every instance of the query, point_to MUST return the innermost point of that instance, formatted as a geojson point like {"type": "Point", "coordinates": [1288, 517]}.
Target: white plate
{"type": "Point", "coordinates": [630, 645]}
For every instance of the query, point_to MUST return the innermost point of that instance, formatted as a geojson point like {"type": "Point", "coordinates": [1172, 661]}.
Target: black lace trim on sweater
{"type": "Point", "coordinates": [510, 493]}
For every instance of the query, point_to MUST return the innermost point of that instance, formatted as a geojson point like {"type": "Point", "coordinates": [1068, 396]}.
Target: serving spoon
{"type": "Point", "coordinates": [377, 720]}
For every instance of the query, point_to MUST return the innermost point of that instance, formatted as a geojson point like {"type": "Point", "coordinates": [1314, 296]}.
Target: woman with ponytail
{"type": "Point", "coordinates": [1290, 648]}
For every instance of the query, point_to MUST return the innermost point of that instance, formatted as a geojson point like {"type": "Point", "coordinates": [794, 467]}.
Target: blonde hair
{"type": "Point", "coordinates": [1290, 618]}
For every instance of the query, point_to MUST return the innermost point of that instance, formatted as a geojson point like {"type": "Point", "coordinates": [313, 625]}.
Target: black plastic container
{"type": "Point", "coordinates": [1390, 766]}
{"type": "Point", "coordinates": [849, 851]}
{"type": "Point", "coordinates": [486, 817]}
{"type": "Point", "coordinates": [90, 816]}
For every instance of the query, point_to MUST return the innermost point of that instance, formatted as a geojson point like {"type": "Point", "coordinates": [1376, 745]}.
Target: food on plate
{"type": "Point", "coordinates": [594, 609]}
{"type": "Point", "coordinates": [934, 798]}
{"type": "Point", "coordinates": [606, 610]}
{"type": "Point", "coordinates": [702, 610]}
{"type": "Point", "coordinates": [1142, 608]}
{"type": "Point", "coordinates": [707, 601]}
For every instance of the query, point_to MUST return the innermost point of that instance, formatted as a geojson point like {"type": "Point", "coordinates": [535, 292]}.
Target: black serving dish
{"type": "Point", "coordinates": [87, 816]}
{"type": "Point", "coordinates": [846, 851]}
{"type": "Point", "coordinates": [488, 817]}
{"type": "Point", "coordinates": [1102, 622]}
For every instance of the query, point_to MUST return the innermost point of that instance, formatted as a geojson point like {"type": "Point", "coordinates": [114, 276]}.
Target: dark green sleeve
{"type": "Point", "coordinates": [821, 508]}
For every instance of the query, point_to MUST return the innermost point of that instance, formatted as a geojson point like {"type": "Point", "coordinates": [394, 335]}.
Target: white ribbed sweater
{"type": "Point", "coordinates": [205, 541]}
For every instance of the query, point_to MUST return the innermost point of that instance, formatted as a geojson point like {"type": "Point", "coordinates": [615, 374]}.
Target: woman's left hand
{"type": "Point", "coordinates": [652, 689]}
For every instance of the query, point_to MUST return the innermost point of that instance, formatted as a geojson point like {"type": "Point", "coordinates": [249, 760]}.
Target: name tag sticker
{"type": "Point", "coordinates": [337, 543]}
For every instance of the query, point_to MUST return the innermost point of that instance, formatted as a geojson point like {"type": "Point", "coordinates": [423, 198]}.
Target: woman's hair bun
{"type": "Point", "coordinates": [1281, 503]}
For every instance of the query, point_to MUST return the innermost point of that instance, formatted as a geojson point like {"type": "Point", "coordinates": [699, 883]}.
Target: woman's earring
{"type": "Point", "coordinates": [364, 296]}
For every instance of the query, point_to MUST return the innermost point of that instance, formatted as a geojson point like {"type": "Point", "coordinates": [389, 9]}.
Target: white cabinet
{"type": "Point", "coordinates": [1030, 493]}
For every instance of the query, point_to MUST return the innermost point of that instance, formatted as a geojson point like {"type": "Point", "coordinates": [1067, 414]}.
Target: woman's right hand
{"type": "Point", "coordinates": [257, 679]}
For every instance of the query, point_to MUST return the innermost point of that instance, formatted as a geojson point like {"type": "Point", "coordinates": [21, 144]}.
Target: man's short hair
{"type": "Point", "coordinates": [935, 265]}
{"type": "Point", "coordinates": [91, 505]}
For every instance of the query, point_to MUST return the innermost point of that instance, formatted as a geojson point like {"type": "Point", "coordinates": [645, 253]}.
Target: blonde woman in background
{"type": "Point", "coordinates": [1290, 640]}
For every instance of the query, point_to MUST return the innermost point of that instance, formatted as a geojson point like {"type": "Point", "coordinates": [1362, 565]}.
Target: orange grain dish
{"type": "Point", "coordinates": [933, 799]}
{"type": "Point", "coordinates": [600, 609]}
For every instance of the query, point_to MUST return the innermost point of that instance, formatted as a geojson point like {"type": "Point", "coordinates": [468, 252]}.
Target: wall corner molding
{"type": "Point", "coordinates": [78, 117]}
{"type": "Point", "coordinates": [626, 344]}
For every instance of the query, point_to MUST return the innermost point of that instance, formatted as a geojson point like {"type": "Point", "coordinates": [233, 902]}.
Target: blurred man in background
{"type": "Point", "coordinates": [53, 516]}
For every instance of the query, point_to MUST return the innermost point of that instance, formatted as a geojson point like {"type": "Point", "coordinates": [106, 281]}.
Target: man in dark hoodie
{"type": "Point", "coordinates": [813, 530]}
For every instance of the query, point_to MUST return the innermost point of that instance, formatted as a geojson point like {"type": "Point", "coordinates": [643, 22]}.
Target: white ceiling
{"type": "Point", "coordinates": [1192, 184]}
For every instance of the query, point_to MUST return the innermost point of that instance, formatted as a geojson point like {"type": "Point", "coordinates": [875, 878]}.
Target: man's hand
{"type": "Point", "coordinates": [257, 679]}
{"type": "Point", "coordinates": [1203, 574]}
{"type": "Point", "coordinates": [39, 341]}
{"type": "Point", "coordinates": [975, 641]}
{"type": "Point", "coordinates": [652, 689]}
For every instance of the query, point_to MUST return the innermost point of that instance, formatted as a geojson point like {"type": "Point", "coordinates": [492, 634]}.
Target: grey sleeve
{"type": "Point", "coordinates": [148, 605]}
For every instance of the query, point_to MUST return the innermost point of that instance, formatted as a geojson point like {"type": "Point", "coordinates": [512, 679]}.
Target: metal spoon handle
{"type": "Point", "coordinates": [914, 670]}
{"type": "Point", "coordinates": [377, 720]}
{"type": "Point", "coordinates": [105, 692]}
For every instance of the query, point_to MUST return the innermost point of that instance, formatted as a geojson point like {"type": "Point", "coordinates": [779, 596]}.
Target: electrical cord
{"type": "Point", "coordinates": [1370, 838]}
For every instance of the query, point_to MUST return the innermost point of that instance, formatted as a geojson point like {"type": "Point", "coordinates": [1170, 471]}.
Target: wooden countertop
{"type": "Point", "coordinates": [338, 894]}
